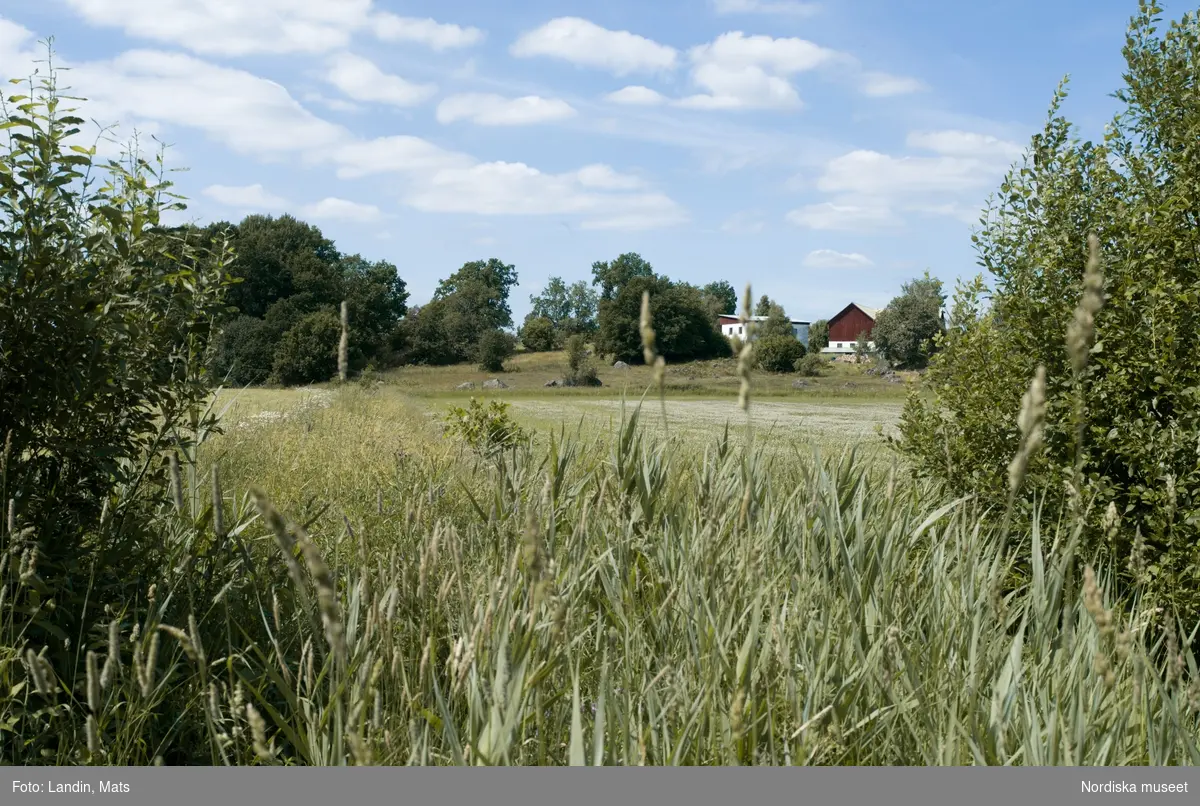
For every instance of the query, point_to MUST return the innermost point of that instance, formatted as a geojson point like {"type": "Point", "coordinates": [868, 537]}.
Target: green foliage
{"type": "Point", "coordinates": [378, 300]}
{"type": "Point", "coordinates": [581, 370]}
{"type": "Point", "coordinates": [905, 332]}
{"type": "Point", "coordinates": [777, 325]}
{"type": "Point", "coordinates": [569, 309]}
{"type": "Point", "coordinates": [1122, 410]}
{"type": "Point", "coordinates": [479, 291]}
{"type": "Point", "coordinates": [308, 352]}
{"type": "Point", "coordinates": [764, 305]}
{"type": "Point", "coordinates": [486, 429]}
{"type": "Point", "coordinates": [778, 353]}
{"type": "Point", "coordinates": [538, 334]}
{"type": "Point", "coordinates": [685, 332]}
{"type": "Point", "coordinates": [106, 322]}
{"type": "Point", "coordinates": [810, 365]}
{"type": "Point", "coordinates": [722, 298]}
{"type": "Point", "coordinates": [818, 335]}
{"type": "Point", "coordinates": [495, 347]}
{"type": "Point", "coordinates": [245, 351]}
{"type": "Point", "coordinates": [612, 276]}
{"type": "Point", "coordinates": [862, 346]}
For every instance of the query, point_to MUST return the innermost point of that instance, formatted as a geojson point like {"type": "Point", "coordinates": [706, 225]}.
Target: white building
{"type": "Point", "coordinates": [733, 326]}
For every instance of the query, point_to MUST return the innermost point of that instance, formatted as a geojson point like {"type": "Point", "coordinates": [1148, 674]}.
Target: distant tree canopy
{"type": "Point", "coordinates": [612, 276]}
{"type": "Point", "coordinates": [763, 306]}
{"type": "Point", "coordinates": [905, 331]}
{"type": "Point", "coordinates": [680, 316]}
{"type": "Point", "coordinates": [818, 335]}
{"type": "Point", "coordinates": [778, 324]}
{"type": "Point", "coordinates": [568, 309]}
{"type": "Point", "coordinates": [286, 271]}
{"type": "Point", "coordinates": [468, 306]}
{"type": "Point", "coordinates": [722, 298]}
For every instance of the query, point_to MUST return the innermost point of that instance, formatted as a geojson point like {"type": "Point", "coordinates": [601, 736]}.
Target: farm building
{"type": "Point", "coordinates": [733, 326]}
{"type": "Point", "coordinates": [845, 326]}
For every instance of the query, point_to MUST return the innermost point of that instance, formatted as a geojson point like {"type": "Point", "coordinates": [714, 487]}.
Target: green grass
{"type": "Point", "coordinates": [620, 596]}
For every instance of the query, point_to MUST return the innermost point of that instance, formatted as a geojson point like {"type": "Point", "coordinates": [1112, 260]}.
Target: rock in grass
{"type": "Point", "coordinates": [494, 383]}
{"type": "Point", "coordinates": [620, 365]}
{"type": "Point", "coordinates": [551, 383]}
{"type": "Point", "coordinates": [800, 383]}
{"type": "Point", "coordinates": [462, 387]}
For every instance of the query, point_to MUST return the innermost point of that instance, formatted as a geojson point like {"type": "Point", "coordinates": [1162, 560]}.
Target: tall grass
{"type": "Point", "coordinates": [386, 597]}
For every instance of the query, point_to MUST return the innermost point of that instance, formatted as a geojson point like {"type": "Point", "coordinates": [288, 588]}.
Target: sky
{"type": "Point", "coordinates": [825, 152]}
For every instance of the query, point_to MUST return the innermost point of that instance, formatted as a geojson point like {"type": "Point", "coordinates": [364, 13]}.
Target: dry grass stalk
{"type": "Point", "coordinates": [344, 343]}
{"type": "Point", "coordinates": [746, 356]}
{"type": "Point", "coordinates": [1031, 424]}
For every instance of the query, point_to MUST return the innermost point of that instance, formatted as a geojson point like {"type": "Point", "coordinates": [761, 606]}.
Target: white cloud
{"type": "Point", "coordinates": [233, 28]}
{"type": "Point", "coordinates": [885, 85]}
{"type": "Point", "coordinates": [874, 174]}
{"type": "Point", "coordinates": [362, 80]}
{"type": "Point", "coordinates": [782, 7]}
{"type": "Point", "coordinates": [784, 56]}
{"type": "Point", "coordinates": [584, 43]}
{"type": "Point", "coordinates": [603, 177]}
{"type": "Point", "coordinates": [829, 259]}
{"type": "Point", "coordinates": [955, 143]}
{"type": "Point", "coordinates": [496, 110]}
{"type": "Point", "coordinates": [236, 28]}
{"type": "Point", "coordinates": [744, 223]}
{"type": "Point", "coordinates": [740, 87]}
{"type": "Point", "coordinates": [248, 197]}
{"type": "Point", "coordinates": [842, 217]}
{"type": "Point", "coordinates": [508, 188]}
{"type": "Point", "coordinates": [246, 113]}
{"type": "Point", "coordinates": [436, 35]}
{"type": "Point", "coordinates": [637, 96]}
{"type": "Point", "coordinates": [395, 154]}
{"type": "Point", "coordinates": [334, 209]}
{"type": "Point", "coordinates": [751, 72]}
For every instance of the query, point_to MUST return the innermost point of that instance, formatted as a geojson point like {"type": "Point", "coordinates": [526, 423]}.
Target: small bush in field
{"type": "Point", "coordinates": [308, 353]}
{"type": "Point", "coordinates": [581, 370]}
{"type": "Point", "coordinates": [485, 428]}
{"type": "Point", "coordinates": [538, 334]}
{"type": "Point", "coordinates": [495, 348]}
{"type": "Point", "coordinates": [778, 353]}
{"type": "Point", "coordinates": [810, 365]}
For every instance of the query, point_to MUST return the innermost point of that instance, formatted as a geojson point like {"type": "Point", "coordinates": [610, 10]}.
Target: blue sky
{"type": "Point", "coordinates": [824, 152]}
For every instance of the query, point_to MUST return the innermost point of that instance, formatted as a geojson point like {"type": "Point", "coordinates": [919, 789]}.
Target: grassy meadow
{"type": "Point", "coordinates": [610, 592]}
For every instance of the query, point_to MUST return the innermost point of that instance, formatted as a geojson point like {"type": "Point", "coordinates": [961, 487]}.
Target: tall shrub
{"type": "Point", "coordinates": [1136, 482]}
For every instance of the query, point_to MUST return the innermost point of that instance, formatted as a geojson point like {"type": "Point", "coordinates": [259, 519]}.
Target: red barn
{"type": "Point", "coordinates": [845, 326]}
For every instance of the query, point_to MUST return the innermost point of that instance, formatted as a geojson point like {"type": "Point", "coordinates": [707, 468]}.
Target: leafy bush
{"type": "Point", "coordinates": [680, 315]}
{"type": "Point", "coordinates": [810, 365]}
{"type": "Point", "coordinates": [487, 429]}
{"type": "Point", "coordinates": [818, 335]}
{"type": "Point", "coordinates": [106, 322]}
{"type": "Point", "coordinates": [777, 325]}
{"type": "Point", "coordinates": [538, 334]}
{"type": "Point", "coordinates": [905, 332]}
{"type": "Point", "coordinates": [245, 351]}
{"type": "Point", "coordinates": [778, 353]}
{"type": "Point", "coordinates": [308, 352]}
{"type": "Point", "coordinates": [495, 347]}
{"type": "Point", "coordinates": [581, 370]}
{"type": "Point", "coordinates": [1122, 412]}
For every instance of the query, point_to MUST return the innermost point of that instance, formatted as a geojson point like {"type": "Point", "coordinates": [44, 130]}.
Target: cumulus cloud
{"type": "Point", "coordinates": [743, 223]}
{"type": "Point", "coordinates": [496, 110]}
{"type": "Point", "coordinates": [885, 85]}
{"type": "Point", "coordinates": [842, 217]}
{"type": "Point", "coordinates": [435, 35]}
{"type": "Point", "coordinates": [637, 96]}
{"type": "Point", "coordinates": [247, 197]}
{"type": "Point", "coordinates": [830, 259]}
{"type": "Point", "coordinates": [737, 71]}
{"type": "Point", "coordinates": [587, 44]}
{"type": "Point", "coordinates": [514, 188]}
{"type": "Point", "coordinates": [220, 27]}
{"type": "Point", "coordinates": [335, 209]}
{"type": "Point", "coordinates": [362, 80]}
{"type": "Point", "coordinates": [400, 153]}
{"type": "Point", "coordinates": [869, 188]}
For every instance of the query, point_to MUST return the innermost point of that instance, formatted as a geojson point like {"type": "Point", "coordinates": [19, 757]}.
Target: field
{"type": "Point", "coordinates": [628, 595]}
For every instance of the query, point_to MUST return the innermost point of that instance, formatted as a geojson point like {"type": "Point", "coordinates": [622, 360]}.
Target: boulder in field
{"type": "Point", "coordinates": [462, 387]}
{"type": "Point", "coordinates": [494, 383]}
{"type": "Point", "coordinates": [620, 365]}
{"type": "Point", "coordinates": [551, 383]}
